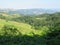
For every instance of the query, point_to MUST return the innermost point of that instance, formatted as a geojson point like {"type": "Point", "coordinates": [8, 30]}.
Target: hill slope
{"type": "Point", "coordinates": [41, 29]}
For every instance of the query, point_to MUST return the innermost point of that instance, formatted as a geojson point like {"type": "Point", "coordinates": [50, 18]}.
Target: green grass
{"type": "Point", "coordinates": [24, 28]}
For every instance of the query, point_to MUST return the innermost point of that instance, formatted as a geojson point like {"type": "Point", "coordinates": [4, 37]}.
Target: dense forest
{"type": "Point", "coordinates": [39, 29]}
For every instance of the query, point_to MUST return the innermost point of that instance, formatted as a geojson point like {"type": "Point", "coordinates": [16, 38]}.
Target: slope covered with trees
{"type": "Point", "coordinates": [43, 29]}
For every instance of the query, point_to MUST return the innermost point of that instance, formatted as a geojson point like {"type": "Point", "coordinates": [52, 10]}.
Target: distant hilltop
{"type": "Point", "coordinates": [29, 11]}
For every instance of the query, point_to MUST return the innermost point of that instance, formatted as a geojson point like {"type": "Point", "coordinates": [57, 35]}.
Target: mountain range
{"type": "Point", "coordinates": [29, 11]}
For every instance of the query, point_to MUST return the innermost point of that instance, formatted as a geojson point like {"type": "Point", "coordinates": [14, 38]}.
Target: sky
{"type": "Point", "coordinates": [28, 4]}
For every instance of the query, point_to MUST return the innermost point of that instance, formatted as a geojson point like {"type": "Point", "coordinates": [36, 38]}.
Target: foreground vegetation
{"type": "Point", "coordinates": [43, 29]}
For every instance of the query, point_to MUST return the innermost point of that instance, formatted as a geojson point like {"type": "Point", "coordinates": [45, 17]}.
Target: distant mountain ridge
{"type": "Point", "coordinates": [29, 11]}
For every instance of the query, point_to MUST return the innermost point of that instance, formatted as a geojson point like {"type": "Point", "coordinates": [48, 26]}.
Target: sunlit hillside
{"type": "Point", "coordinates": [18, 29]}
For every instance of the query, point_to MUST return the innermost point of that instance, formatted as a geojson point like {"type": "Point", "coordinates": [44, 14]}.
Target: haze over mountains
{"type": "Point", "coordinates": [29, 11]}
